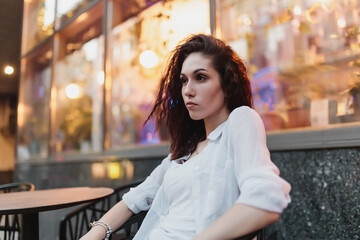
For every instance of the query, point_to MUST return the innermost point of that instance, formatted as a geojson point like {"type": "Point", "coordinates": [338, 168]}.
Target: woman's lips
{"type": "Point", "coordinates": [190, 105]}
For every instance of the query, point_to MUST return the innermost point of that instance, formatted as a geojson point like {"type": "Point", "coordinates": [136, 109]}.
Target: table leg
{"type": "Point", "coordinates": [30, 226]}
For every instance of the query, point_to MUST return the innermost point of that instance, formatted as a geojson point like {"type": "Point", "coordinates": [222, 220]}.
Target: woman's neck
{"type": "Point", "coordinates": [211, 123]}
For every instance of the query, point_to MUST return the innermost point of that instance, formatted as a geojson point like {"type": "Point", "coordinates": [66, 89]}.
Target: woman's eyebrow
{"type": "Point", "coordinates": [200, 69]}
{"type": "Point", "coordinates": [195, 71]}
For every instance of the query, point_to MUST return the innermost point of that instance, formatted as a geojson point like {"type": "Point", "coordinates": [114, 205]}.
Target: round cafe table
{"type": "Point", "coordinates": [29, 204]}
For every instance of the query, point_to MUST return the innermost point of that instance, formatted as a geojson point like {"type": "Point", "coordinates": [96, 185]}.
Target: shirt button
{"type": "Point", "coordinates": [196, 168]}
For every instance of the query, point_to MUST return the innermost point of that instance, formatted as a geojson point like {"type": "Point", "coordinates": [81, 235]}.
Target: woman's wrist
{"type": "Point", "coordinates": [96, 232]}
{"type": "Point", "coordinates": [104, 225]}
{"type": "Point", "coordinates": [100, 229]}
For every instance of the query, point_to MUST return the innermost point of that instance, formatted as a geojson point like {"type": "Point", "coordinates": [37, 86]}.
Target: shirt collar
{"type": "Point", "coordinates": [215, 134]}
{"type": "Point", "coordinates": [182, 159]}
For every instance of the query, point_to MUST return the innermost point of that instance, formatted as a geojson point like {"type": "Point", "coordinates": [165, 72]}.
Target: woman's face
{"type": "Point", "coordinates": [201, 89]}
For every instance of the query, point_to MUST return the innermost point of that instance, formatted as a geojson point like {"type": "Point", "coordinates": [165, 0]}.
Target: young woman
{"type": "Point", "coordinates": [218, 181]}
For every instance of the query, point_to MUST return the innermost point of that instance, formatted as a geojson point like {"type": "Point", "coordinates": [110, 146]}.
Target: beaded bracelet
{"type": "Point", "coordinates": [106, 226]}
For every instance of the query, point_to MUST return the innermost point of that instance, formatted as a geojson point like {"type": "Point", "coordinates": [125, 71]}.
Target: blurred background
{"type": "Point", "coordinates": [78, 79]}
{"type": "Point", "coordinates": [10, 49]}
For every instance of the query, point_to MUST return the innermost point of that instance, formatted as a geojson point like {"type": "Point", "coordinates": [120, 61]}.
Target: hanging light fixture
{"type": "Point", "coordinates": [8, 70]}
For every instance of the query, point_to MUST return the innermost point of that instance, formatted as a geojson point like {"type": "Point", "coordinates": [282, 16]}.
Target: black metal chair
{"type": "Point", "coordinates": [76, 223]}
{"type": "Point", "coordinates": [10, 223]}
{"type": "Point", "coordinates": [128, 230]}
{"type": "Point", "coordinates": [260, 235]}
{"type": "Point", "coordinates": [16, 187]}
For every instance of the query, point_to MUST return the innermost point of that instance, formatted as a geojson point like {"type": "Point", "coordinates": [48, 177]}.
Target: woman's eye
{"type": "Point", "coordinates": [183, 80]}
{"type": "Point", "coordinates": [200, 77]}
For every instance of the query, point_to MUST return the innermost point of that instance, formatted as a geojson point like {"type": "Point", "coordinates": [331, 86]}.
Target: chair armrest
{"type": "Point", "coordinates": [259, 234]}
{"type": "Point", "coordinates": [129, 228]}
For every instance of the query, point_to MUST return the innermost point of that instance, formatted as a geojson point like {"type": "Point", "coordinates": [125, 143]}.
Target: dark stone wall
{"type": "Point", "coordinates": [325, 191]}
{"type": "Point", "coordinates": [325, 195]}
{"type": "Point", "coordinates": [80, 173]}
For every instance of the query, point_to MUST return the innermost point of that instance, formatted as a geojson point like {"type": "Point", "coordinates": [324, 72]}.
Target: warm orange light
{"type": "Point", "coordinates": [8, 70]}
{"type": "Point", "coordinates": [148, 59]}
{"type": "Point", "coordinates": [297, 10]}
{"type": "Point", "coordinates": [72, 91]}
{"type": "Point", "coordinates": [20, 114]}
{"type": "Point", "coordinates": [98, 170]}
{"type": "Point", "coordinates": [129, 168]}
{"type": "Point", "coordinates": [341, 23]}
{"type": "Point", "coordinates": [115, 171]}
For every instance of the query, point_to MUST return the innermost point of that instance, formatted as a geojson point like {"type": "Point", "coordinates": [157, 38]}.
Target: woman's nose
{"type": "Point", "coordinates": [189, 90]}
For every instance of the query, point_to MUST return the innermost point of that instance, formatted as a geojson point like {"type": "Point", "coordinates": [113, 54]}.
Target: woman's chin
{"type": "Point", "coordinates": [195, 117]}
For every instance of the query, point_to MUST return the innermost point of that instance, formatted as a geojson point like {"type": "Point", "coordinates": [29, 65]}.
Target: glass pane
{"type": "Point", "coordinates": [68, 9]}
{"type": "Point", "coordinates": [38, 22]}
{"type": "Point", "coordinates": [137, 49]}
{"type": "Point", "coordinates": [77, 93]}
{"type": "Point", "coordinates": [33, 107]}
{"type": "Point", "coordinates": [302, 57]}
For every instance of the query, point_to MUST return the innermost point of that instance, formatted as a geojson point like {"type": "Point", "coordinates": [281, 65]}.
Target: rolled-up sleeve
{"type": "Point", "coordinates": [257, 177]}
{"type": "Point", "coordinates": [140, 198]}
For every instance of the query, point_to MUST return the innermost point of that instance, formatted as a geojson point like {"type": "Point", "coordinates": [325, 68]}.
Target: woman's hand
{"type": "Point", "coordinates": [240, 220]}
{"type": "Point", "coordinates": [96, 233]}
{"type": "Point", "coordinates": [115, 217]}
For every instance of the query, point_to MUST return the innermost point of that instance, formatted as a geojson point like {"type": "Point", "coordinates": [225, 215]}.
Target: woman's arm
{"type": "Point", "coordinates": [115, 217]}
{"type": "Point", "coordinates": [136, 200]}
{"type": "Point", "coordinates": [240, 220]}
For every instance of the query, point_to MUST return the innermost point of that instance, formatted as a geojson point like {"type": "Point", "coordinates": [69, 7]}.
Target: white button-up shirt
{"type": "Point", "coordinates": [235, 168]}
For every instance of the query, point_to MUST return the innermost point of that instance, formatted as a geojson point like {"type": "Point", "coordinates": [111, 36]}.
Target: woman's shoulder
{"type": "Point", "coordinates": [245, 121]}
{"type": "Point", "coordinates": [244, 113]}
{"type": "Point", "coordinates": [166, 161]}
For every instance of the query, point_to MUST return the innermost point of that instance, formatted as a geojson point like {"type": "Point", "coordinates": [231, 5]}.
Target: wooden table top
{"type": "Point", "coordinates": [51, 199]}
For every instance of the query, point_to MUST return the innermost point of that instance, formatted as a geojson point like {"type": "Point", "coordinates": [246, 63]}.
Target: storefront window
{"type": "Point", "coordinates": [39, 24]}
{"type": "Point", "coordinates": [77, 92]}
{"type": "Point", "coordinates": [68, 9]}
{"type": "Point", "coordinates": [33, 110]}
{"type": "Point", "coordinates": [138, 47]}
{"type": "Point", "coordinates": [302, 57]}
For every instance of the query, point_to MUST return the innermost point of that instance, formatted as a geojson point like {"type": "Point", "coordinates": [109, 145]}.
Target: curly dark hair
{"type": "Point", "coordinates": [169, 107]}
